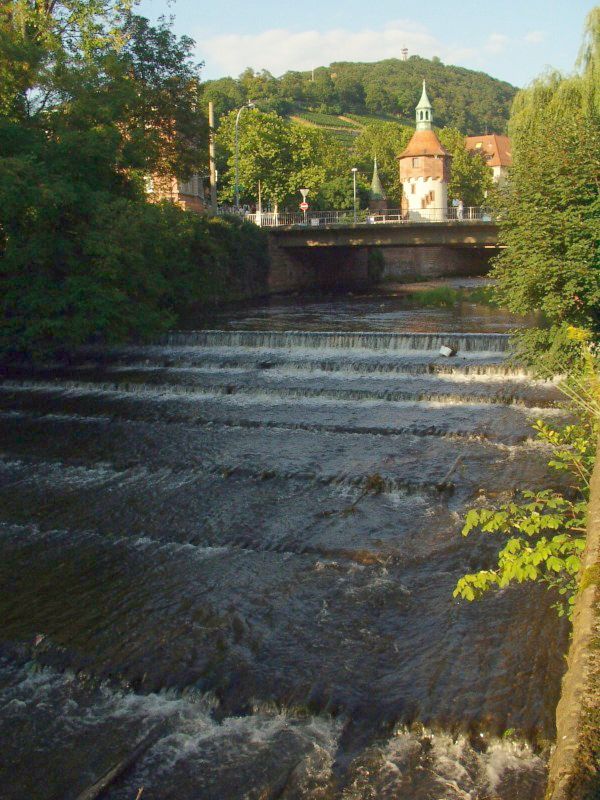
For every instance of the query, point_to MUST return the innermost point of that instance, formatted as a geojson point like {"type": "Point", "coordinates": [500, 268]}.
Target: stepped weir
{"type": "Point", "coordinates": [193, 553]}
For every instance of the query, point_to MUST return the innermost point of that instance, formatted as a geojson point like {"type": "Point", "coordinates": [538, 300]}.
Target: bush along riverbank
{"type": "Point", "coordinates": [93, 100]}
{"type": "Point", "coordinates": [127, 270]}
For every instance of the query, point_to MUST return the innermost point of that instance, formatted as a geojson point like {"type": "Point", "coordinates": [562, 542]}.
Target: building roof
{"type": "Point", "coordinates": [495, 146]}
{"type": "Point", "coordinates": [425, 143]}
{"type": "Point", "coordinates": [376, 192]}
{"type": "Point", "coordinates": [424, 101]}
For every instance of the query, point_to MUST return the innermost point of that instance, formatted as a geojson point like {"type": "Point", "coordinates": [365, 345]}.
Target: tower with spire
{"type": "Point", "coordinates": [377, 198]}
{"type": "Point", "coordinates": [425, 169]}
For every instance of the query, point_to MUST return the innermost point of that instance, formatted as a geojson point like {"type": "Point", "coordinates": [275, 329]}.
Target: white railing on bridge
{"type": "Point", "coordinates": [271, 219]}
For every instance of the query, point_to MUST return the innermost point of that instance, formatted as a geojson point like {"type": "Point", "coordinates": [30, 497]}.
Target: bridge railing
{"type": "Point", "coordinates": [271, 219]}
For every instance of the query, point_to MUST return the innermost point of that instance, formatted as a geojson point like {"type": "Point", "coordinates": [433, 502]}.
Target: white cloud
{"type": "Point", "coordinates": [496, 43]}
{"type": "Point", "coordinates": [535, 37]}
{"type": "Point", "coordinates": [279, 50]}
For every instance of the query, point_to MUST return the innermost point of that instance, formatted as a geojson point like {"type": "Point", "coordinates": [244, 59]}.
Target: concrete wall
{"type": "Point", "coordinates": [309, 268]}
{"type": "Point", "coordinates": [574, 766]}
{"type": "Point", "coordinates": [423, 263]}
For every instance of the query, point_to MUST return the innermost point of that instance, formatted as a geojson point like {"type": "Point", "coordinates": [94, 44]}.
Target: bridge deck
{"type": "Point", "coordinates": [458, 234]}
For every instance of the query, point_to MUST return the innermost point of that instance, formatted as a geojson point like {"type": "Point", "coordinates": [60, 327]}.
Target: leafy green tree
{"type": "Point", "coordinates": [94, 98]}
{"type": "Point", "coordinates": [406, 100]}
{"type": "Point", "coordinates": [226, 94]}
{"type": "Point", "coordinates": [470, 176]}
{"type": "Point", "coordinates": [550, 210]}
{"type": "Point", "coordinates": [384, 141]}
{"type": "Point", "coordinates": [350, 92]}
{"type": "Point", "coordinates": [549, 226]}
{"type": "Point", "coordinates": [284, 157]}
{"type": "Point", "coordinates": [378, 100]}
{"type": "Point", "coordinates": [321, 93]}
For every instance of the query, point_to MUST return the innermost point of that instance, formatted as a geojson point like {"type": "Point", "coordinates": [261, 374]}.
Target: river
{"type": "Point", "coordinates": [243, 541]}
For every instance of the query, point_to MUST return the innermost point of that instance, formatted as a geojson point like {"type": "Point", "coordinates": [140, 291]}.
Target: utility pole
{"type": "Point", "coordinates": [211, 156]}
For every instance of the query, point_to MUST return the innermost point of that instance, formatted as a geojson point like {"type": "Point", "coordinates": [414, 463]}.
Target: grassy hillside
{"type": "Point", "coordinates": [345, 96]}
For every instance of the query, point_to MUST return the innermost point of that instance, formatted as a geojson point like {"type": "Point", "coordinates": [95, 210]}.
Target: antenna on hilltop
{"type": "Point", "coordinates": [404, 52]}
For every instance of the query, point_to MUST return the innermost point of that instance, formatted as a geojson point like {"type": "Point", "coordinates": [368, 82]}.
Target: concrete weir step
{"type": "Point", "coordinates": [503, 423]}
{"type": "Point", "coordinates": [395, 342]}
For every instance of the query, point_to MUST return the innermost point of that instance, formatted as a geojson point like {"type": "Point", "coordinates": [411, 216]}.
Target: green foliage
{"type": "Point", "coordinates": [384, 141]}
{"type": "Point", "coordinates": [284, 157]}
{"type": "Point", "coordinates": [548, 351]}
{"type": "Point", "coordinates": [82, 263]}
{"type": "Point", "coordinates": [93, 98]}
{"type": "Point", "coordinates": [470, 177]}
{"type": "Point", "coordinates": [470, 101]}
{"type": "Point", "coordinates": [545, 530]}
{"type": "Point", "coordinates": [550, 209]}
{"type": "Point", "coordinates": [369, 119]}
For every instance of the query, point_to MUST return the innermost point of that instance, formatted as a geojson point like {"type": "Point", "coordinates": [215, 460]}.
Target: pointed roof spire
{"type": "Point", "coordinates": [376, 192]}
{"type": "Point", "coordinates": [424, 101]}
{"type": "Point", "coordinates": [424, 112]}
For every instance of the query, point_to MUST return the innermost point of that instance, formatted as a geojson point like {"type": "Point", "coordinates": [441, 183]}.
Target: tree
{"type": "Point", "coordinates": [549, 226]}
{"type": "Point", "coordinates": [350, 92]}
{"type": "Point", "coordinates": [41, 41]}
{"type": "Point", "coordinates": [406, 100]}
{"type": "Point", "coordinates": [470, 176]}
{"type": "Point", "coordinates": [384, 141]}
{"type": "Point", "coordinates": [226, 94]}
{"type": "Point", "coordinates": [95, 97]}
{"type": "Point", "coordinates": [378, 100]}
{"type": "Point", "coordinates": [284, 157]}
{"type": "Point", "coordinates": [551, 206]}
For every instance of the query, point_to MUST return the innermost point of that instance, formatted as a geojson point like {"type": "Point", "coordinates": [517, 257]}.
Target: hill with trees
{"type": "Point", "coordinates": [472, 102]}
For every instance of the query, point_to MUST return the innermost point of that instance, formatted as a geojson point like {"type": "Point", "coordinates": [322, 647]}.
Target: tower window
{"type": "Point", "coordinates": [420, 115]}
{"type": "Point", "coordinates": [427, 115]}
{"type": "Point", "coordinates": [415, 162]}
{"type": "Point", "coordinates": [413, 188]}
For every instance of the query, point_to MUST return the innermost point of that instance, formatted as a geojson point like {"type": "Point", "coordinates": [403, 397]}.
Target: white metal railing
{"type": "Point", "coordinates": [270, 219]}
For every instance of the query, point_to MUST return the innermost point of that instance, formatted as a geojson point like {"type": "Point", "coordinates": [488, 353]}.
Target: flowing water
{"type": "Point", "coordinates": [191, 552]}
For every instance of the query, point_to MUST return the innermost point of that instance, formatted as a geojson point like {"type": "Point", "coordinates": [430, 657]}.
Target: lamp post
{"type": "Point", "coordinates": [249, 104]}
{"type": "Point", "coordinates": [354, 171]}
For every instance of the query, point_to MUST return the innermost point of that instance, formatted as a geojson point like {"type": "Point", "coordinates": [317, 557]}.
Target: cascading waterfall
{"type": "Point", "coordinates": [397, 342]}
{"type": "Point", "coordinates": [242, 545]}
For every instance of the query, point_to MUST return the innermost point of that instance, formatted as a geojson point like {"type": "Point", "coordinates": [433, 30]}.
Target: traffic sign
{"type": "Point", "coordinates": [303, 206]}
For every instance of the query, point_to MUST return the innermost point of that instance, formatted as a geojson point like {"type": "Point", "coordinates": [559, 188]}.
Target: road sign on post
{"type": "Point", "coordinates": [304, 209]}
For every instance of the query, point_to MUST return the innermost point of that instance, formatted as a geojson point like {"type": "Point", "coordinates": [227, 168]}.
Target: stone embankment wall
{"type": "Point", "coordinates": [309, 268]}
{"type": "Point", "coordinates": [575, 763]}
{"type": "Point", "coordinates": [423, 263]}
{"type": "Point", "coordinates": [306, 269]}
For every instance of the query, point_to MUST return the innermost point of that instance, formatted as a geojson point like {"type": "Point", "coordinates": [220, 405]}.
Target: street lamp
{"type": "Point", "coordinates": [354, 171]}
{"type": "Point", "coordinates": [249, 104]}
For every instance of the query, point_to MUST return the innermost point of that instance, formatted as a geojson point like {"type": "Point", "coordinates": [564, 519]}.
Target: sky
{"type": "Point", "coordinates": [513, 40]}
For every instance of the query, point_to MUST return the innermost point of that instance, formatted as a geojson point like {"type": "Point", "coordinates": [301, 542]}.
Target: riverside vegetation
{"type": "Point", "coordinates": [552, 262]}
{"type": "Point", "coordinates": [551, 229]}
{"type": "Point", "coordinates": [92, 99]}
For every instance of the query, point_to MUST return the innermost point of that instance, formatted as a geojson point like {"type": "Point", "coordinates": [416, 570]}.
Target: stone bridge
{"type": "Point", "coordinates": [328, 256]}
